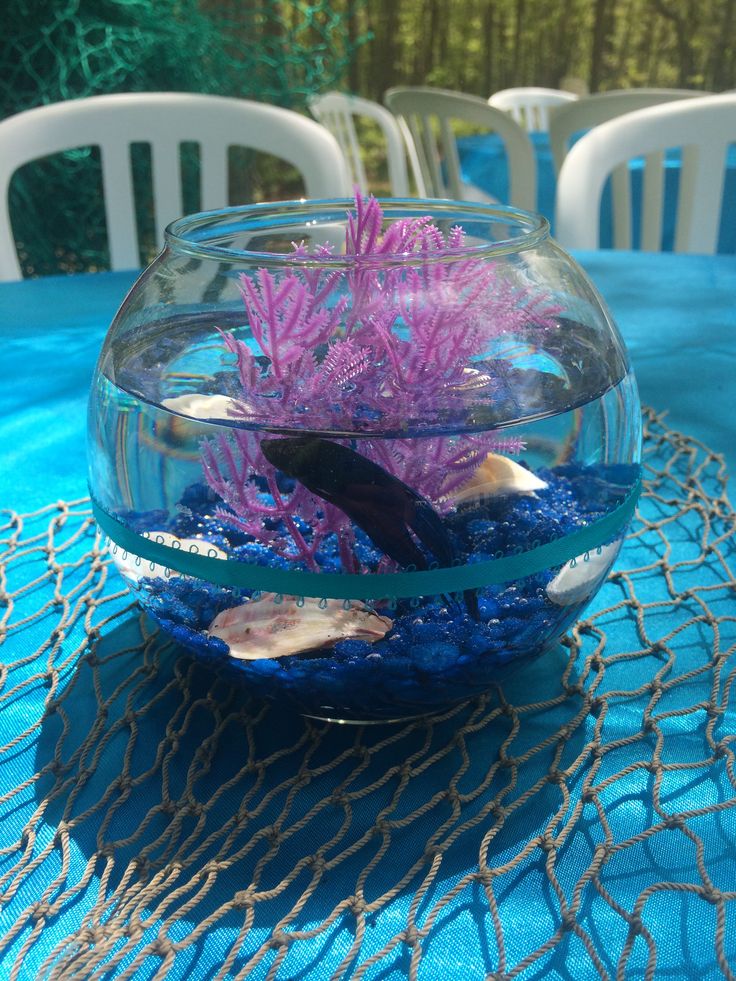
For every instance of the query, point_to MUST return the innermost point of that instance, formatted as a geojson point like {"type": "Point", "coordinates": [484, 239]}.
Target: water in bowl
{"type": "Point", "coordinates": [185, 472]}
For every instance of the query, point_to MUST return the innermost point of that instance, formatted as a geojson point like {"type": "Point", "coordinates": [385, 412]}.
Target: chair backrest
{"type": "Point", "coordinates": [703, 128]}
{"type": "Point", "coordinates": [591, 110]}
{"type": "Point", "coordinates": [337, 111]}
{"type": "Point", "coordinates": [165, 121]}
{"type": "Point", "coordinates": [530, 105]}
{"type": "Point", "coordinates": [428, 115]}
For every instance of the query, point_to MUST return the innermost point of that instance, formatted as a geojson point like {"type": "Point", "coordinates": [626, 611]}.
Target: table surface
{"type": "Point", "coordinates": [578, 822]}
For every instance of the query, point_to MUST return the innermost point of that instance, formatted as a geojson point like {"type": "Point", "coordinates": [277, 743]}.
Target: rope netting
{"type": "Point", "coordinates": [275, 51]}
{"type": "Point", "coordinates": [578, 821]}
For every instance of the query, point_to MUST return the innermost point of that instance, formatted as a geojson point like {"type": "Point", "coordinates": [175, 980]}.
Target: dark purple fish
{"type": "Point", "coordinates": [382, 505]}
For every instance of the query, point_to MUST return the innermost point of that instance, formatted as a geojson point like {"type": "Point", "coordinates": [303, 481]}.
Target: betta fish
{"type": "Point", "coordinates": [379, 503]}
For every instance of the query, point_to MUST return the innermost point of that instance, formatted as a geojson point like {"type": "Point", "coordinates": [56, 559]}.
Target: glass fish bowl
{"type": "Point", "coordinates": [366, 455]}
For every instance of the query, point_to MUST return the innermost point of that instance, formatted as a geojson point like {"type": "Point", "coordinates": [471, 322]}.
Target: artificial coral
{"type": "Point", "coordinates": [375, 340]}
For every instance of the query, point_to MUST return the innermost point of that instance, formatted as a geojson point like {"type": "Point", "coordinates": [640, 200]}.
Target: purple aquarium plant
{"type": "Point", "coordinates": [377, 342]}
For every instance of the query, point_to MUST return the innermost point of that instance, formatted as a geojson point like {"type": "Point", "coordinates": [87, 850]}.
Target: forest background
{"type": "Point", "coordinates": [481, 46]}
{"type": "Point", "coordinates": [281, 51]}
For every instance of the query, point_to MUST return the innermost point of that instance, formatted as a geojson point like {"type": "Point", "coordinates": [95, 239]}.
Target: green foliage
{"type": "Point", "coordinates": [481, 46]}
{"type": "Point", "coordinates": [274, 51]}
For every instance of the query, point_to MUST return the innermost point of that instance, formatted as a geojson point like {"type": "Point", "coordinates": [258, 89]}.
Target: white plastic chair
{"type": "Point", "coordinates": [703, 129]}
{"type": "Point", "coordinates": [337, 111]}
{"type": "Point", "coordinates": [429, 116]}
{"type": "Point", "coordinates": [592, 110]}
{"type": "Point", "coordinates": [164, 120]}
{"type": "Point", "coordinates": [530, 105]}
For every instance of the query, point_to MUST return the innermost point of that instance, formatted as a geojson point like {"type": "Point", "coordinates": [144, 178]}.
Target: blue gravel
{"type": "Point", "coordinates": [435, 653]}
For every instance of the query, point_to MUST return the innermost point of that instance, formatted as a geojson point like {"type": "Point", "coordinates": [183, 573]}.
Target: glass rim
{"type": "Point", "coordinates": [531, 229]}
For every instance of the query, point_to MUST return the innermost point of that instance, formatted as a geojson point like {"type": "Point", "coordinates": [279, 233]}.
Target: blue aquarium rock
{"type": "Point", "coordinates": [432, 637]}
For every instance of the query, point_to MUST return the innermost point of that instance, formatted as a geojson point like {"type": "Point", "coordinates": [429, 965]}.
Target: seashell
{"type": "Point", "coordinates": [575, 583]}
{"type": "Point", "coordinates": [198, 406]}
{"type": "Point", "coordinates": [133, 567]}
{"type": "Point", "coordinates": [263, 628]}
{"type": "Point", "coordinates": [498, 476]}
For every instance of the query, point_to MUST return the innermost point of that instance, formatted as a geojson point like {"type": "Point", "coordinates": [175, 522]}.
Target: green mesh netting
{"type": "Point", "coordinates": [276, 51]}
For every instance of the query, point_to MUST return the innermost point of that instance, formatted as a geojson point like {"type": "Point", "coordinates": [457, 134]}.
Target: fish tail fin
{"type": "Point", "coordinates": [431, 532]}
{"type": "Point", "coordinates": [470, 597]}
{"type": "Point", "coordinates": [471, 603]}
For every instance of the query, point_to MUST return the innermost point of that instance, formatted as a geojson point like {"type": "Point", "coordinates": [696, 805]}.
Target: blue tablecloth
{"type": "Point", "coordinates": [483, 163]}
{"type": "Point", "coordinates": [580, 823]}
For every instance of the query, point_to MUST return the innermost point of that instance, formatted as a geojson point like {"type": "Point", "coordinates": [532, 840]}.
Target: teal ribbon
{"type": "Point", "coordinates": [373, 586]}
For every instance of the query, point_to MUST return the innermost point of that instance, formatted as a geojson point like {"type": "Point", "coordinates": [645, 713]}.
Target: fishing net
{"type": "Point", "coordinates": [275, 51]}
{"type": "Point", "coordinates": [578, 821]}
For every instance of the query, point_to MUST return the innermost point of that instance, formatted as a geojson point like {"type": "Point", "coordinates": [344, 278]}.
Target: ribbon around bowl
{"type": "Point", "coordinates": [373, 586]}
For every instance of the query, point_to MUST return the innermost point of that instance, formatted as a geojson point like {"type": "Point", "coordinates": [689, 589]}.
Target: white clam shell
{"type": "Point", "coordinates": [133, 567]}
{"type": "Point", "coordinates": [574, 583]}
{"type": "Point", "coordinates": [264, 628]}
{"type": "Point", "coordinates": [198, 406]}
{"type": "Point", "coordinates": [497, 476]}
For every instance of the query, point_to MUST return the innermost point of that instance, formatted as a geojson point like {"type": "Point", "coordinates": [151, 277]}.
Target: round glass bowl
{"type": "Point", "coordinates": [365, 453]}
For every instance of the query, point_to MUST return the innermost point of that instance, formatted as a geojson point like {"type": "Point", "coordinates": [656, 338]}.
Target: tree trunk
{"type": "Point", "coordinates": [427, 39]}
{"type": "Point", "coordinates": [385, 26]}
{"type": "Point", "coordinates": [518, 40]}
{"type": "Point", "coordinates": [352, 13]}
{"type": "Point", "coordinates": [720, 72]}
{"type": "Point", "coordinates": [601, 43]}
{"type": "Point", "coordinates": [490, 47]}
{"type": "Point", "coordinates": [686, 23]}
